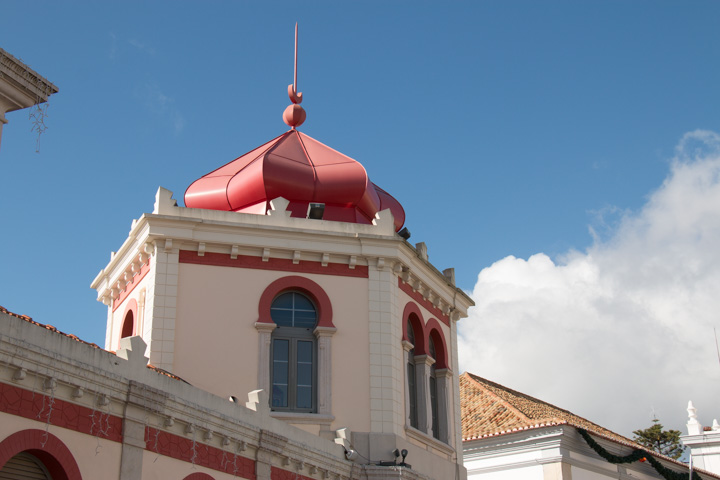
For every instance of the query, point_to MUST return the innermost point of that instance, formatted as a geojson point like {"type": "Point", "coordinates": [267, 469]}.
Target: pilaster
{"type": "Point", "coordinates": [422, 379]}
{"type": "Point", "coordinates": [387, 396]}
{"type": "Point", "coordinates": [324, 383]}
{"type": "Point", "coordinates": [264, 338]}
{"type": "Point", "coordinates": [161, 303]}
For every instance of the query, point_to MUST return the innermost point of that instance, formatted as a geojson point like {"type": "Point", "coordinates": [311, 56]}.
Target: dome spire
{"type": "Point", "coordinates": [294, 115]}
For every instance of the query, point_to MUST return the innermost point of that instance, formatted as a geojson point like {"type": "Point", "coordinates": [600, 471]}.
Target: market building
{"type": "Point", "coordinates": [279, 325]}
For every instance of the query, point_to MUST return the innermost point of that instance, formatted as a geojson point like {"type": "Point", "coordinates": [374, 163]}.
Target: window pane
{"type": "Point", "coordinates": [305, 319]}
{"type": "Point", "coordinates": [280, 373]}
{"type": "Point", "coordinates": [304, 353]}
{"type": "Point", "coordinates": [280, 350]}
{"type": "Point", "coordinates": [304, 397]}
{"type": "Point", "coordinates": [304, 374]}
{"type": "Point", "coordinates": [280, 396]}
{"type": "Point", "coordinates": [303, 303]}
{"type": "Point", "coordinates": [434, 407]}
{"type": "Point", "coordinates": [283, 318]}
{"type": "Point", "coordinates": [283, 301]}
{"type": "Point", "coordinates": [412, 393]}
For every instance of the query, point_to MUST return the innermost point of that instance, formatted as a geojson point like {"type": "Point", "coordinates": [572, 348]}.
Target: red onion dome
{"type": "Point", "coordinates": [303, 171]}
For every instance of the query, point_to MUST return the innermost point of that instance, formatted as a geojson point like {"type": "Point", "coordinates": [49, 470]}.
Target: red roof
{"type": "Point", "coordinates": [300, 169]}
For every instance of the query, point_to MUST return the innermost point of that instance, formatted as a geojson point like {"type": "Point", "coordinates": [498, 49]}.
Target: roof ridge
{"type": "Point", "coordinates": [505, 403]}
{"type": "Point", "coordinates": [557, 414]}
{"type": "Point", "coordinates": [479, 379]}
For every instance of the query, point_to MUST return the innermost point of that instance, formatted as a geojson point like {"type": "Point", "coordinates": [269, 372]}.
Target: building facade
{"type": "Point", "coordinates": [510, 435]}
{"type": "Point", "coordinates": [279, 325]}
{"type": "Point", "coordinates": [702, 441]}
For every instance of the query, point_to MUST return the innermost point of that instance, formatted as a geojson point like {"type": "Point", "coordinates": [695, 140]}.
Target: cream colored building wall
{"type": "Point", "coordinates": [160, 467]}
{"type": "Point", "coordinates": [217, 308]}
{"type": "Point", "coordinates": [95, 459]}
{"type": "Point", "coordinates": [115, 324]}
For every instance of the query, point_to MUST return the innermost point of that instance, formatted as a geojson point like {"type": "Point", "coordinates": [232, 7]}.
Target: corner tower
{"type": "Point", "coordinates": [285, 272]}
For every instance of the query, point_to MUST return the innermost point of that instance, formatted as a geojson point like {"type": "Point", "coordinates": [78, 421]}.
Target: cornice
{"type": "Point", "coordinates": [173, 228]}
{"type": "Point", "coordinates": [21, 84]}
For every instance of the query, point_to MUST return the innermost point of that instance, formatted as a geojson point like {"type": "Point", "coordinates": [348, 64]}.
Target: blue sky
{"type": "Point", "coordinates": [504, 128]}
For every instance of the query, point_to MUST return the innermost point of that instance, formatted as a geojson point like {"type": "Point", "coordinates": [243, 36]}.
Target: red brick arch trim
{"type": "Point", "coordinates": [413, 315]}
{"type": "Point", "coordinates": [198, 476]}
{"type": "Point", "coordinates": [131, 306]}
{"type": "Point", "coordinates": [301, 284]}
{"type": "Point", "coordinates": [48, 448]}
{"type": "Point", "coordinates": [434, 331]}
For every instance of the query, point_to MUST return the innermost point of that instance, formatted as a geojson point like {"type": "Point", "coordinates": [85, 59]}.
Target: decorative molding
{"type": "Point", "coordinates": [202, 454]}
{"type": "Point", "coordinates": [405, 287]}
{"type": "Point", "coordinates": [122, 292]}
{"type": "Point", "coordinates": [275, 264]}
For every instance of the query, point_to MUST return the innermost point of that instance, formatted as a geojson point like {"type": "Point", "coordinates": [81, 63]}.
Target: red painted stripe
{"type": "Point", "coordinates": [182, 448]}
{"type": "Point", "coordinates": [144, 269]}
{"type": "Point", "coordinates": [282, 264]}
{"type": "Point", "coordinates": [424, 302]}
{"type": "Point", "coordinates": [280, 474]}
{"type": "Point", "coordinates": [37, 406]}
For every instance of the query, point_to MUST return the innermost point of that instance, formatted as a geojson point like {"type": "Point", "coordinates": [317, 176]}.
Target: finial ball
{"type": "Point", "coordinates": [294, 115]}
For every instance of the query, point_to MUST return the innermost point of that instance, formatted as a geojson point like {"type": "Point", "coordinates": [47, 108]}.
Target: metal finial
{"type": "Point", "coordinates": [294, 115]}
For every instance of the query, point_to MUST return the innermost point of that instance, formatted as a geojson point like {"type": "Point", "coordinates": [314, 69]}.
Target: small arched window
{"type": "Point", "coordinates": [434, 391]}
{"type": "Point", "coordinates": [294, 353]}
{"type": "Point", "coordinates": [128, 325]}
{"type": "Point", "coordinates": [411, 377]}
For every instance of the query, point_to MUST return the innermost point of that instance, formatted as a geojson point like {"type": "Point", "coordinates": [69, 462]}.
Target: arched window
{"type": "Point", "coordinates": [24, 466]}
{"type": "Point", "coordinates": [412, 385]}
{"type": "Point", "coordinates": [294, 353]}
{"type": "Point", "coordinates": [41, 446]}
{"type": "Point", "coordinates": [128, 325]}
{"type": "Point", "coordinates": [434, 391]}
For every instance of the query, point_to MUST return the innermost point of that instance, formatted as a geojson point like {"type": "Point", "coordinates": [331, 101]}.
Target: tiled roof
{"type": "Point", "coordinates": [47, 327]}
{"type": "Point", "coordinates": [490, 409]}
{"type": "Point", "coordinates": [77, 339]}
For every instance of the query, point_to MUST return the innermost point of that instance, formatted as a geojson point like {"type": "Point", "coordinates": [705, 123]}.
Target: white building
{"type": "Point", "coordinates": [703, 442]}
{"type": "Point", "coordinates": [510, 435]}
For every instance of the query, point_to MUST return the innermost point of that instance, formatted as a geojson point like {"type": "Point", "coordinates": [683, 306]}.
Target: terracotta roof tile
{"type": "Point", "coordinates": [77, 339]}
{"type": "Point", "coordinates": [490, 409]}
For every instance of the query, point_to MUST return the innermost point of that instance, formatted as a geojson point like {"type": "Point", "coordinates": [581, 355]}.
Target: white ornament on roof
{"type": "Point", "coordinates": [693, 426]}
{"type": "Point", "coordinates": [692, 413]}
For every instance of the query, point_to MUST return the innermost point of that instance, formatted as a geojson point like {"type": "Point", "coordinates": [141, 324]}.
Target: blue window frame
{"type": "Point", "coordinates": [294, 353]}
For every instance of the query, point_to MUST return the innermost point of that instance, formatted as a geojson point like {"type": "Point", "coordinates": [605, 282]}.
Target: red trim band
{"type": "Point", "coordinates": [281, 264]}
{"type": "Point", "coordinates": [36, 406]}
{"type": "Point", "coordinates": [181, 448]}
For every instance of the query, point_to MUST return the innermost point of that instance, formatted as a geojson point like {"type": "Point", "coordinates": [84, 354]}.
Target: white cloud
{"type": "Point", "coordinates": [625, 328]}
